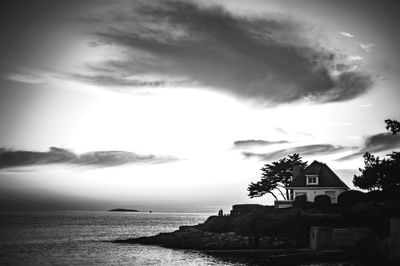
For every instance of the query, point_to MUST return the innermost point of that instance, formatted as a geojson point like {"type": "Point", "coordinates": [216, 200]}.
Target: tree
{"type": "Point", "coordinates": [275, 177]}
{"type": "Point", "coordinates": [393, 126]}
{"type": "Point", "coordinates": [381, 174]}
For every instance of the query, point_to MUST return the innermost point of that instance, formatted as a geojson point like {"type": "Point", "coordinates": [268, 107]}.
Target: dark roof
{"type": "Point", "coordinates": [326, 177]}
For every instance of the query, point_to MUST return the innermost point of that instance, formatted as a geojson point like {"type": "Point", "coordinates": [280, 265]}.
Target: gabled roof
{"type": "Point", "coordinates": [326, 177]}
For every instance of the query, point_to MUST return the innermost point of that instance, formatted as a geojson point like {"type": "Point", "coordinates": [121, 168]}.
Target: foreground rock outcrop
{"type": "Point", "coordinates": [188, 237]}
{"type": "Point", "coordinates": [271, 229]}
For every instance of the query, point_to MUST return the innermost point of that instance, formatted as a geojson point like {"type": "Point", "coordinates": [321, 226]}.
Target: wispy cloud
{"type": "Point", "coordinates": [256, 143]}
{"type": "Point", "coordinates": [316, 149]}
{"type": "Point", "coordinates": [121, 80]}
{"type": "Point", "coordinates": [346, 34]}
{"type": "Point", "coordinates": [10, 158]}
{"type": "Point", "coordinates": [376, 143]}
{"type": "Point", "coordinates": [266, 59]}
{"type": "Point", "coordinates": [355, 58]}
{"type": "Point", "coordinates": [366, 46]}
{"type": "Point", "coordinates": [367, 105]}
{"type": "Point", "coordinates": [285, 132]}
{"type": "Point", "coordinates": [281, 130]}
{"type": "Point", "coordinates": [24, 76]}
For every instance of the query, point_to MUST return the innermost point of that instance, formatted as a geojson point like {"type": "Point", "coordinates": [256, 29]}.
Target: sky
{"type": "Point", "coordinates": [176, 105]}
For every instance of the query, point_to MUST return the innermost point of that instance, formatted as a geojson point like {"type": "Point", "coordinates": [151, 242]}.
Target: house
{"type": "Point", "coordinates": [316, 179]}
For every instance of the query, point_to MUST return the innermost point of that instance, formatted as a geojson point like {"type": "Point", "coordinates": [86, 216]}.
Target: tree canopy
{"type": "Point", "coordinates": [380, 173]}
{"type": "Point", "coordinates": [393, 126]}
{"type": "Point", "coordinates": [275, 176]}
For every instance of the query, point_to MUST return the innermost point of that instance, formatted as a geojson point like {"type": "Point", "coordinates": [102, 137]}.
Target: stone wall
{"type": "Point", "coordinates": [390, 246]}
{"type": "Point", "coordinates": [394, 252]}
{"type": "Point", "coordinates": [325, 237]}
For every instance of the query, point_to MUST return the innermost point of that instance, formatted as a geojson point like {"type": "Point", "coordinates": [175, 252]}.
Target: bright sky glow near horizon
{"type": "Point", "coordinates": [145, 100]}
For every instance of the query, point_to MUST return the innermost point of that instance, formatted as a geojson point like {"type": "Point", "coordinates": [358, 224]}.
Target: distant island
{"type": "Point", "coordinates": [123, 210]}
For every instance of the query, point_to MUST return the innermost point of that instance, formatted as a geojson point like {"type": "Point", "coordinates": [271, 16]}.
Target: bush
{"type": "Point", "coordinates": [301, 202]}
{"type": "Point", "coordinates": [350, 197]}
{"type": "Point", "coordinates": [322, 201]}
{"type": "Point", "coordinates": [392, 193]}
{"type": "Point", "coordinates": [375, 196]}
{"type": "Point", "coordinates": [388, 194]}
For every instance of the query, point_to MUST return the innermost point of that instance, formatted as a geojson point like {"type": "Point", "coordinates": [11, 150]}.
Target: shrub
{"type": "Point", "coordinates": [388, 194]}
{"type": "Point", "coordinates": [392, 193]}
{"type": "Point", "coordinates": [375, 196]}
{"type": "Point", "coordinates": [322, 201]}
{"type": "Point", "coordinates": [350, 197]}
{"type": "Point", "coordinates": [301, 202]}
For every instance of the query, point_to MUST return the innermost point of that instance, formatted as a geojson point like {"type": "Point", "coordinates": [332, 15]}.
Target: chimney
{"type": "Point", "coordinates": [296, 171]}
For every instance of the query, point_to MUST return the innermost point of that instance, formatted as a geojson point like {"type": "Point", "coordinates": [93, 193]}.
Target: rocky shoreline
{"type": "Point", "coordinates": [189, 237]}
{"type": "Point", "coordinates": [353, 233]}
{"type": "Point", "coordinates": [252, 231]}
{"type": "Point", "coordinates": [232, 247]}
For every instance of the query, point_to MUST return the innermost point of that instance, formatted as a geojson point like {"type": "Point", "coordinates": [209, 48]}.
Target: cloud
{"type": "Point", "coordinates": [367, 105]}
{"type": "Point", "coordinates": [342, 67]}
{"type": "Point", "coordinates": [366, 46]}
{"type": "Point", "coordinates": [316, 149]}
{"type": "Point", "coordinates": [281, 130]}
{"type": "Point", "coordinates": [28, 77]}
{"type": "Point", "coordinates": [252, 143]}
{"type": "Point", "coordinates": [268, 59]}
{"type": "Point", "coordinates": [381, 142]}
{"type": "Point", "coordinates": [9, 158]}
{"type": "Point", "coordinates": [346, 34]}
{"type": "Point", "coordinates": [120, 80]}
{"type": "Point", "coordinates": [376, 143]}
{"type": "Point", "coordinates": [355, 58]}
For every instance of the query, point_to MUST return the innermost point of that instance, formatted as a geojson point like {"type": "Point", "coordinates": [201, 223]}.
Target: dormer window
{"type": "Point", "coordinates": [312, 179]}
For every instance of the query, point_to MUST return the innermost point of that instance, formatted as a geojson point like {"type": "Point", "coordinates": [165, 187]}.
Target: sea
{"type": "Point", "coordinates": [85, 238]}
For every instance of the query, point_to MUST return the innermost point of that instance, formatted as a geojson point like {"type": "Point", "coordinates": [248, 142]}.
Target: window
{"type": "Point", "coordinates": [300, 193]}
{"type": "Point", "coordinates": [312, 179]}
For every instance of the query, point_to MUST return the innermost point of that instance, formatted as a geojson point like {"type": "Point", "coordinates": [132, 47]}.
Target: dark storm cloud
{"type": "Point", "coordinates": [376, 143]}
{"type": "Point", "coordinates": [266, 59]}
{"type": "Point", "coordinates": [9, 158]}
{"type": "Point", "coordinates": [254, 143]}
{"type": "Point", "coordinates": [317, 149]}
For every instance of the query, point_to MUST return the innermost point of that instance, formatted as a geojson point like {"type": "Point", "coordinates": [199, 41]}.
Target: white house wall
{"type": "Point", "coordinates": [313, 192]}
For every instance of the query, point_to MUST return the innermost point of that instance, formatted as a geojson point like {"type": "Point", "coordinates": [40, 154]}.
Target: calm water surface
{"type": "Point", "coordinates": [80, 238]}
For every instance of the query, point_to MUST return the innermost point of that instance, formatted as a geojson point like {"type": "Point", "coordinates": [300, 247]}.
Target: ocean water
{"type": "Point", "coordinates": [83, 238]}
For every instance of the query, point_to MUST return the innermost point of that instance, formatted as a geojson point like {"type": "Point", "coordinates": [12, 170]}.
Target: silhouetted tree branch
{"type": "Point", "coordinates": [274, 175]}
